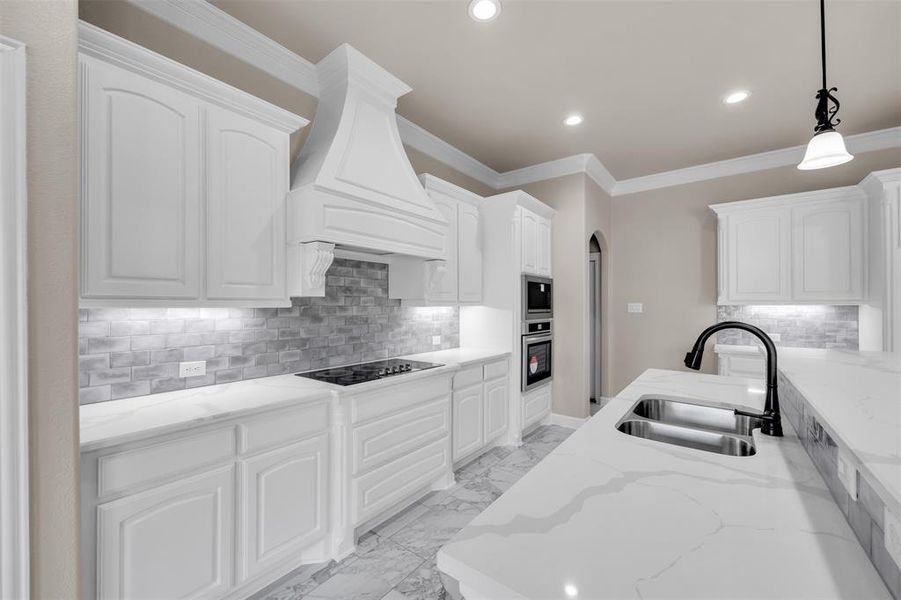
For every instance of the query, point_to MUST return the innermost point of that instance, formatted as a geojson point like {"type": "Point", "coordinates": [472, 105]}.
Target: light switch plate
{"type": "Point", "coordinates": [436, 340]}
{"type": "Point", "coordinates": [893, 536]}
{"type": "Point", "coordinates": [776, 337]}
{"type": "Point", "coordinates": [847, 474]}
{"type": "Point", "coordinates": [635, 307]}
{"type": "Point", "coordinates": [192, 369]}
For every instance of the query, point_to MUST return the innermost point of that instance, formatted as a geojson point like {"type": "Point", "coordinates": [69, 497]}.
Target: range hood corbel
{"type": "Point", "coordinates": [353, 184]}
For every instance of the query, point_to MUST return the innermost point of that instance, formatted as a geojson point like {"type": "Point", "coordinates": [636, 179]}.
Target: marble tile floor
{"type": "Point", "coordinates": [396, 560]}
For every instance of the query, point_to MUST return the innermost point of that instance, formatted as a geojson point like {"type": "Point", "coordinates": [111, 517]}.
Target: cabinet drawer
{"type": "Point", "coordinates": [536, 405]}
{"type": "Point", "coordinates": [496, 369]}
{"type": "Point", "coordinates": [380, 441]}
{"type": "Point", "coordinates": [282, 427]}
{"type": "Point", "coordinates": [133, 468]}
{"type": "Point", "coordinates": [395, 398]}
{"type": "Point", "coordinates": [467, 377]}
{"type": "Point", "coordinates": [391, 483]}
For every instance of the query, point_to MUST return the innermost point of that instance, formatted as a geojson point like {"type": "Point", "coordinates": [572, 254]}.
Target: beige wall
{"type": "Point", "coordinates": [664, 255]}
{"type": "Point", "coordinates": [49, 31]}
{"type": "Point", "coordinates": [582, 209]}
{"type": "Point", "coordinates": [132, 23]}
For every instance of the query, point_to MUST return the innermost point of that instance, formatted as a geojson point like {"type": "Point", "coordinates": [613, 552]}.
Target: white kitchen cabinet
{"type": "Point", "coordinates": [184, 183]}
{"type": "Point", "coordinates": [458, 278]}
{"type": "Point", "coordinates": [469, 421]}
{"type": "Point", "coordinates": [740, 361]}
{"type": "Point", "coordinates": [284, 495]}
{"type": "Point", "coordinates": [209, 512]}
{"type": "Point", "coordinates": [828, 247]}
{"type": "Point", "coordinates": [536, 242]}
{"type": "Point", "coordinates": [247, 172]}
{"type": "Point", "coordinates": [481, 404]}
{"type": "Point", "coordinates": [801, 248]}
{"type": "Point", "coordinates": [529, 231]}
{"type": "Point", "coordinates": [174, 541]}
{"type": "Point", "coordinates": [536, 405]}
{"type": "Point", "coordinates": [141, 190]}
{"type": "Point", "coordinates": [469, 242]}
{"type": "Point", "coordinates": [497, 408]}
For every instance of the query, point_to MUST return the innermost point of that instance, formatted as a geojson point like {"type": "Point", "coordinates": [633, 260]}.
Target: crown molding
{"type": "Point", "coordinates": [216, 27]}
{"type": "Point", "coordinates": [571, 165]}
{"type": "Point", "coordinates": [97, 43]}
{"type": "Point", "coordinates": [428, 143]}
{"type": "Point", "coordinates": [813, 196]}
{"type": "Point", "coordinates": [208, 23]}
{"type": "Point", "coordinates": [860, 143]}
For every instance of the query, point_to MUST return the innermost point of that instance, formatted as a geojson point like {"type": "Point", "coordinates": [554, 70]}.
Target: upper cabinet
{"type": "Point", "coordinates": [536, 243]}
{"type": "Point", "coordinates": [457, 278]}
{"type": "Point", "coordinates": [184, 181]}
{"type": "Point", "coordinates": [800, 248]}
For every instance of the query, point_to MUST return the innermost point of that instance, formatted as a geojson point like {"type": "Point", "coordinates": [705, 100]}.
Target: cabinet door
{"type": "Point", "coordinates": [544, 247]}
{"type": "Point", "coordinates": [759, 256]}
{"type": "Point", "coordinates": [827, 241]}
{"type": "Point", "coordinates": [140, 187]}
{"type": "Point", "coordinates": [469, 241]}
{"type": "Point", "coordinates": [469, 432]}
{"type": "Point", "coordinates": [497, 403]}
{"type": "Point", "coordinates": [284, 503]}
{"type": "Point", "coordinates": [174, 541]}
{"type": "Point", "coordinates": [445, 288]}
{"type": "Point", "coordinates": [247, 174]}
{"type": "Point", "coordinates": [529, 230]}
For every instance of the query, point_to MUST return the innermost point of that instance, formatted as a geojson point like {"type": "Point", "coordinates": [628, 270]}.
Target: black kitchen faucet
{"type": "Point", "coordinates": [771, 420]}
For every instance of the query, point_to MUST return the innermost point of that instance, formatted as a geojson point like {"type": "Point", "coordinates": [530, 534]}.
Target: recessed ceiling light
{"type": "Point", "coordinates": [484, 10]}
{"type": "Point", "coordinates": [736, 97]}
{"type": "Point", "coordinates": [573, 120]}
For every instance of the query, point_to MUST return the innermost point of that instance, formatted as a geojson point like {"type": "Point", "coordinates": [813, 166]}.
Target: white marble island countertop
{"type": "Point", "coordinates": [857, 398]}
{"type": "Point", "coordinates": [607, 515]}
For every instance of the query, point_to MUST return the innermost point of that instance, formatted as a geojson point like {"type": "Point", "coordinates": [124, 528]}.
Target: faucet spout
{"type": "Point", "coordinates": [771, 418]}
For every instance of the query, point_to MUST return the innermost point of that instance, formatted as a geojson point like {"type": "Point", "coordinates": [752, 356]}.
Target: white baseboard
{"type": "Point", "coordinates": [567, 421]}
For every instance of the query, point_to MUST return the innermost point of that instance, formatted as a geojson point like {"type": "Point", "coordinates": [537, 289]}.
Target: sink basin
{"type": "Point", "coordinates": [698, 426]}
{"type": "Point", "coordinates": [709, 441]}
{"type": "Point", "coordinates": [711, 418]}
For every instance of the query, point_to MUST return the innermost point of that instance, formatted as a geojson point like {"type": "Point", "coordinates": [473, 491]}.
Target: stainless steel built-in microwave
{"type": "Point", "coordinates": [537, 298]}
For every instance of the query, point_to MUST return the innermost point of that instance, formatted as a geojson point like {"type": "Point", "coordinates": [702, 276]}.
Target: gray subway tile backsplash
{"type": "Point", "coordinates": [801, 326]}
{"type": "Point", "coordinates": [127, 352]}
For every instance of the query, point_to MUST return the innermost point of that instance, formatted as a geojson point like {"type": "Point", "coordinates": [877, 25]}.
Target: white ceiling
{"type": "Point", "coordinates": [648, 76]}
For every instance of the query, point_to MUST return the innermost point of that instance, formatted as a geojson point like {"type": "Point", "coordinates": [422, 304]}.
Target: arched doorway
{"type": "Point", "coordinates": [595, 323]}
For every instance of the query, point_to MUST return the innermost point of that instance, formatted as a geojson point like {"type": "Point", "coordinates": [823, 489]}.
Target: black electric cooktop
{"type": "Point", "coordinates": [370, 371]}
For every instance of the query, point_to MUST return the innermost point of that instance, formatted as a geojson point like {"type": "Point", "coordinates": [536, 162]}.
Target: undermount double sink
{"type": "Point", "coordinates": [699, 426]}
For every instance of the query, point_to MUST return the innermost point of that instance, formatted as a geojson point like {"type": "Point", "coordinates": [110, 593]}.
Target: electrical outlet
{"type": "Point", "coordinates": [635, 307]}
{"type": "Point", "coordinates": [192, 369]}
{"type": "Point", "coordinates": [847, 474]}
{"type": "Point", "coordinates": [893, 536]}
{"type": "Point", "coordinates": [436, 340]}
{"type": "Point", "coordinates": [776, 337]}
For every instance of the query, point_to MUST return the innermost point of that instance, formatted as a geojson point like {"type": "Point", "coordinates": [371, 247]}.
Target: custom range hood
{"type": "Point", "coordinates": [353, 185]}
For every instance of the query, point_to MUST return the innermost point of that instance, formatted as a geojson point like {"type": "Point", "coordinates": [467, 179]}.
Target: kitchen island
{"type": "Point", "coordinates": [607, 515]}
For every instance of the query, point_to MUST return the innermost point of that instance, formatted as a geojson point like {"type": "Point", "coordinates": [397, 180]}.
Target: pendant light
{"type": "Point", "coordinates": [826, 148]}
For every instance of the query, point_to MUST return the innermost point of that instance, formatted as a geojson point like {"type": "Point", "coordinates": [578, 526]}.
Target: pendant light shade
{"type": "Point", "coordinates": [826, 149]}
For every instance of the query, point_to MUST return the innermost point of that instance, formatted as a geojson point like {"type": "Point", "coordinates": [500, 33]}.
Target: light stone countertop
{"type": "Point", "coordinates": [462, 357]}
{"type": "Point", "coordinates": [857, 398]}
{"type": "Point", "coordinates": [607, 515]}
{"type": "Point", "coordinates": [105, 424]}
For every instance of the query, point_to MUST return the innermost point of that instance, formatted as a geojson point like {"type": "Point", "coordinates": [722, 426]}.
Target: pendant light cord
{"type": "Point", "coordinates": [823, 37]}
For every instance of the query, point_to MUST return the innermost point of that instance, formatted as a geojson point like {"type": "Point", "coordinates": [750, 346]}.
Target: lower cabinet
{"type": "Point", "coordinates": [174, 541]}
{"type": "Point", "coordinates": [481, 407]}
{"type": "Point", "coordinates": [284, 499]}
{"type": "Point", "coordinates": [213, 513]}
{"type": "Point", "coordinates": [469, 421]}
{"type": "Point", "coordinates": [536, 405]}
